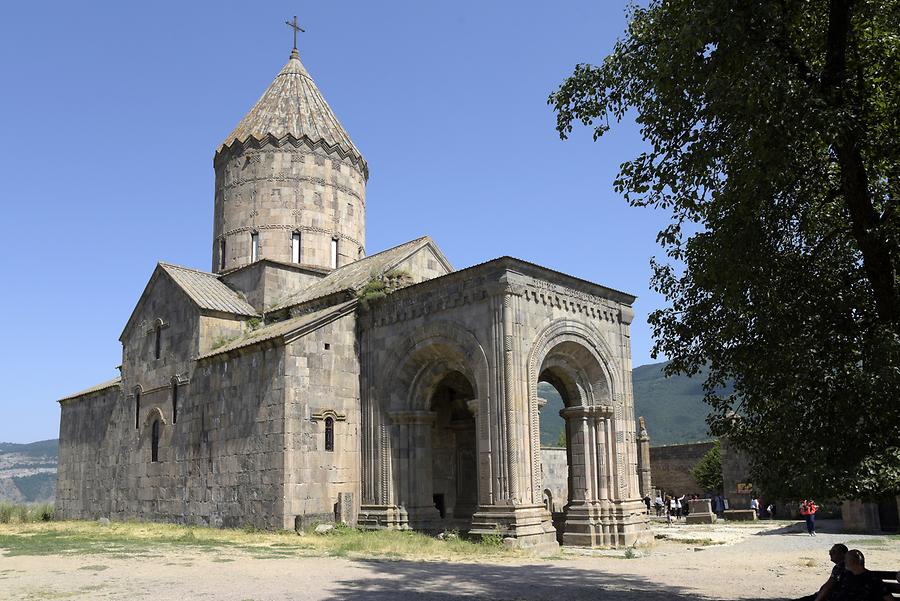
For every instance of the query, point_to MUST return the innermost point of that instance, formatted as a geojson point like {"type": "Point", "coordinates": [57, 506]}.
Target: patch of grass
{"type": "Point", "coordinates": [873, 542]}
{"type": "Point", "coordinates": [20, 513]}
{"type": "Point", "coordinates": [135, 539]}
{"type": "Point", "coordinates": [702, 542]}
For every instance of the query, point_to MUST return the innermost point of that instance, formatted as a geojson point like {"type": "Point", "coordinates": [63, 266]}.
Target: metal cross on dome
{"type": "Point", "coordinates": [293, 25]}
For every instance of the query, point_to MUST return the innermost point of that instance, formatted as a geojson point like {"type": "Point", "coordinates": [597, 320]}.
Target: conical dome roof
{"type": "Point", "coordinates": [293, 106]}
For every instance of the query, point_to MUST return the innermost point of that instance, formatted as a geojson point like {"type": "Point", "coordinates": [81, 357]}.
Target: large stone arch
{"type": "Point", "coordinates": [415, 373]}
{"type": "Point", "coordinates": [566, 330]}
{"type": "Point", "coordinates": [441, 342]}
{"type": "Point", "coordinates": [580, 364]}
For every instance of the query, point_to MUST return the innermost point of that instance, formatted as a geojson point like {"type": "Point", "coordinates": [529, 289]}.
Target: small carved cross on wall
{"type": "Point", "coordinates": [293, 25]}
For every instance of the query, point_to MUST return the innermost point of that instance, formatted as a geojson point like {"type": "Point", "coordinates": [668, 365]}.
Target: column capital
{"type": "Point", "coordinates": [586, 411]}
{"type": "Point", "coordinates": [473, 406]}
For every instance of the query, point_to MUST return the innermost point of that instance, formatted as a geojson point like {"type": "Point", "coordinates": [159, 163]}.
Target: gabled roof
{"type": "Point", "coordinates": [207, 291]}
{"type": "Point", "coordinates": [288, 329]}
{"type": "Point", "coordinates": [353, 276]}
{"type": "Point", "coordinates": [293, 106]}
{"type": "Point", "coordinates": [102, 386]}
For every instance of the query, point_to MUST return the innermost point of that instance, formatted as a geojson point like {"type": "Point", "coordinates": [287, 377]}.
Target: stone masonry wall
{"type": "Point", "coordinates": [671, 466]}
{"type": "Point", "coordinates": [220, 464]}
{"type": "Point", "coordinates": [277, 191]}
{"type": "Point", "coordinates": [554, 476]}
{"type": "Point", "coordinates": [89, 428]}
{"type": "Point", "coordinates": [179, 337]}
{"type": "Point", "coordinates": [265, 284]}
{"type": "Point", "coordinates": [322, 381]}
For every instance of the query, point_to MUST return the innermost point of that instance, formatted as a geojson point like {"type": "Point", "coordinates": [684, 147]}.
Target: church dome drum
{"type": "Point", "coordinates": [290, 183]}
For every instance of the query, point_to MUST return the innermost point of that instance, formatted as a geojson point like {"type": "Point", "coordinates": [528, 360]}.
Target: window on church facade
{"type": "Point", "coordinates": [334, 253]}
{"type": "Point", "coordinates": [295, 247]}
{"type": "Point", "coordinates": [254, 246]}
{"type": "Point", "coordinates": [174, 401]}
{"type": "Point", "coordinates": [154, 441]}
{"type": "Point", "coordinates": [137, 408]}
{"type": "Point", "coordinates": [157, 341]}
{"type": "Point", "coordinates": [329, 433]}
{"type": "Point", "coordinates": [222, 254]}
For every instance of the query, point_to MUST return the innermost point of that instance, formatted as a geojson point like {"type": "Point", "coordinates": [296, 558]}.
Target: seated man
{"type": "Point", "coordinates": [836, 554]}
{"type": "Point", "coordinates": [860, 584]}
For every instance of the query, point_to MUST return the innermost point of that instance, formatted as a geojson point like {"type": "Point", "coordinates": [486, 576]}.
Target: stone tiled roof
{"type": "Point", "coordinates": [293, 106]}
{"type": "Point", "coordinates": [102, 386]}
{"type": "Point", "coordinates": [353, 276]}
{"type": "Point", "coordinates": [293, 327]}
{"type": "Point", "coordinates": [207, 291]}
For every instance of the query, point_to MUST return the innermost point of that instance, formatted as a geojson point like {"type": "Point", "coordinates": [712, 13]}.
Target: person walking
{"type": "Point", "coordinates": [658, 503]}
{"type": "Point", "coordinates": [808, 510]}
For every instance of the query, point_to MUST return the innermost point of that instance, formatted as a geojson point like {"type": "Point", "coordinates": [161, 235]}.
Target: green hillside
{"type": "Point", "coordinates": [673, 407]}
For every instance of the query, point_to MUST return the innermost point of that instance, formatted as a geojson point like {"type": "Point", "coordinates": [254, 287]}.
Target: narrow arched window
{"type": "Point", "coordinates": [137, 408]}
{"type": "Point", "coordinates": [295, 247]}
{"type": "Point", "coordinates": [157, 342]}
{"type": "Point", "coordinates": [174, 401]}
{"type": "Point", "coordinates": [222, 254]}
{"type": "Point", "coordinates": [329, 433]}
{"type": "Point", "coordinates": [154, 441]}
{"type": "Point", "coordinates": [254, 246]}
{"type": "Point", "coordinates": [334, 253]}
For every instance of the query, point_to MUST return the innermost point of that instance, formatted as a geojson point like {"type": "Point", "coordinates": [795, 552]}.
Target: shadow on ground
{"type": "Point", "coordinates": [822, 526]}
{"type": "Point", "coordinates": [400, 580]}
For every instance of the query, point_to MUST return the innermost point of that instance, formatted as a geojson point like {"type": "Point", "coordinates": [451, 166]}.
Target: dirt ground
{"type": "Point", "coordinates": [755, 562]}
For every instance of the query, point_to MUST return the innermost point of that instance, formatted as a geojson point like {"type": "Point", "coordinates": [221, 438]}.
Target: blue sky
{"type": "Point", "coordinates": [111, 113]}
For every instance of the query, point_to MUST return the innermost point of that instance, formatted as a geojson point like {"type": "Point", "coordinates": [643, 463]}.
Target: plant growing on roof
{"type": "Point", "coordinates": [380, 285]}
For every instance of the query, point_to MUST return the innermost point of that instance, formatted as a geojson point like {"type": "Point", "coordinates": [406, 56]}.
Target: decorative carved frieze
{"type": "Point", "coordinates": [573, 301]}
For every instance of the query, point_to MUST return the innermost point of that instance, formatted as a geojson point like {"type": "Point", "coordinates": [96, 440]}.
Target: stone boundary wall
{"type": "Point", "coordinates": [554, 477]}
{"type": "Point", "coordinates": [670, 467]}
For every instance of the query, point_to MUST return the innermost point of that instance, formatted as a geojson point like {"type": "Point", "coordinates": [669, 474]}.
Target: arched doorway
{"type": "Point", "coordinates": [581, 382]}
{"type": "Point", "coordinates": [454, 475]}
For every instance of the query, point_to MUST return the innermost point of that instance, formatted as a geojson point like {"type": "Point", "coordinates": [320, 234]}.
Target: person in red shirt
{"type": "Point", "coordinates": [808, 510]}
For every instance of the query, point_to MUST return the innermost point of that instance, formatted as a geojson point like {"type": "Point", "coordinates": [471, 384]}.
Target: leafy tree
{"type": "Point", "coordinates": [708, 471]}
{"type": "Point", "coordinates": [561, 441]}
{"type": "Point", "coordinates": [774, 140]}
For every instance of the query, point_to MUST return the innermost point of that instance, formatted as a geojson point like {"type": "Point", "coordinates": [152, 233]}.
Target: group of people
{"type": "Point", "coordinates": [849, 579]}
{"type": "Point", "coordinates": [757, 506]}
{"type": "Point", "coordinates": [669, 506]}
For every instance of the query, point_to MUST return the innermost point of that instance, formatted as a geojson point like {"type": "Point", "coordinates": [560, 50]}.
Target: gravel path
{"type": "Point", "coordinates": [755, 564]}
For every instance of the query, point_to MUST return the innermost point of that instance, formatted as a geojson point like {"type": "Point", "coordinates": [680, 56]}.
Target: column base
{"type": "Point", "coordinates": [614, 524]}
{"type": "Point", "coordinates": [528, 526]}
{"type": "Point", "coordinates": [381, 517]}
{"type": "Point", "coordinates": [397, 517]}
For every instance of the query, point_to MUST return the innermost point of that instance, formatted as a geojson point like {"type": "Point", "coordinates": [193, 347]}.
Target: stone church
{"type": "Point", "coordinates": [302, 380]}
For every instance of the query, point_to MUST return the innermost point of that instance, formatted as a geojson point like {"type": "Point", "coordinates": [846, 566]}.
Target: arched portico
{"type": "Point", "coordinates": [575, 361]}
{"type": "Point", "coordinates": [433, 391]}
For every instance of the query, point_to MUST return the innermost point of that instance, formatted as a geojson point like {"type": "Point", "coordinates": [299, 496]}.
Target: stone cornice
{"type": "Point", "coordinates": [589, 411]}
{"type": "Point", "coordinates": [225, 153]}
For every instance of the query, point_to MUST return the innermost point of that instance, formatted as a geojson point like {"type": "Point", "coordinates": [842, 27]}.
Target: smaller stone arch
{"type": "Point", "coordinates": [155, 413]}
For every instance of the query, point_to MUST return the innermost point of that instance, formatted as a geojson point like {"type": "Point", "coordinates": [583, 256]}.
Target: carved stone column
{"type": "Point", "coordinates": [414, 463]}
{"type": "Point", "coordinates": [586, 454]}
{"type": "Point", "coordinates": [646, 486]}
